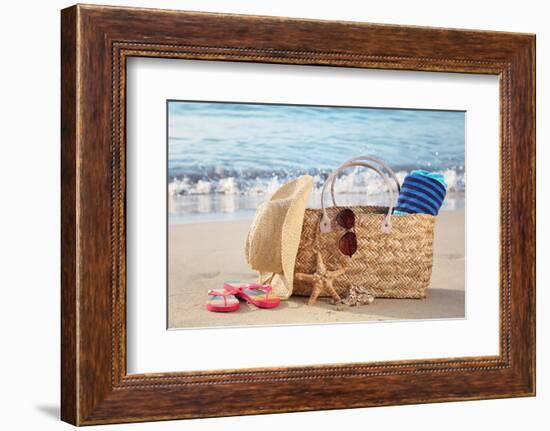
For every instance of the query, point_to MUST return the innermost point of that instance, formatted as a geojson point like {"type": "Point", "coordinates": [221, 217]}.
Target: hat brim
{"type": "Point", "coordinates": [291, 234]}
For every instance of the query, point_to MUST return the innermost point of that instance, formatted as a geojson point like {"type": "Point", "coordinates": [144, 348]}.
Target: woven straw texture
{"type": "Point", "coordinates": [274, 235]}
{"type": "Point", "coordinates": [392, 265]}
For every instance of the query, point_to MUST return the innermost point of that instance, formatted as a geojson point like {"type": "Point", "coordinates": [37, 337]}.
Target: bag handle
{"type": "Point", "coordinates": [331, 179]}
{"type": "Point", "coordinates": [362, 158]}
{"type": "Point", "coordinates": [389, 171]}
{"type": "Point", "coordinates": [325, 223]}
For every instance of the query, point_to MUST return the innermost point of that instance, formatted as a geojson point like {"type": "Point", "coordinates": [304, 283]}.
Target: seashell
{"type": "Point", "coordinates": [358, 295]}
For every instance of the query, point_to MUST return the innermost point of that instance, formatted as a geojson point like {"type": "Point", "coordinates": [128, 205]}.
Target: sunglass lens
{"type": "Point", "coordinates": [346, 218]}
{"type": "Point", "coordinates": [348, 244]}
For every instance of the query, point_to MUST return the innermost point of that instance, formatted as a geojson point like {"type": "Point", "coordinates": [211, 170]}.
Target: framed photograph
{"type": "Point", "coordinates": [292, 214]}
{"type": "Point", "coordinates": [227, 159]}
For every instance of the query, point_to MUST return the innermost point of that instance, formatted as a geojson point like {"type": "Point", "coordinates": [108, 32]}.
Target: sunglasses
{"type": "Point", "coordinates": [348, 242]}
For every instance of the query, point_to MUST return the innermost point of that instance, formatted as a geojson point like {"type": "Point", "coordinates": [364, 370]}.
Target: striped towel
{"type": "Point", "coordinates": [422, 192]}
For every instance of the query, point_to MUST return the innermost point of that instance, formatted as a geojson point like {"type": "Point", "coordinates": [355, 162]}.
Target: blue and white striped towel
{"type": "Point", "coordinates": [422, 192]}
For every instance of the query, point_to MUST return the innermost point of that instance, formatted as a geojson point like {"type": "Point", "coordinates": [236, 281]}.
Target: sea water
{"type": "Point", "coordinates": [226, 158]}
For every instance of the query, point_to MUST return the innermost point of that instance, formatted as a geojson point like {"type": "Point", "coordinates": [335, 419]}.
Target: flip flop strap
{"type": "Point", "coordinates": [250, 286]}
{"type": "Point", "coordinates": [230, 289]}
{"type": "Point", "coordinates": [223, 294]}
{"type": "Point", "coordinates": [262, 287]}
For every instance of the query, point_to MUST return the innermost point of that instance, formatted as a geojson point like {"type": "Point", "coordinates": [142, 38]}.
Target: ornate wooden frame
{"type": "Point", "coordinates": [96, 41]}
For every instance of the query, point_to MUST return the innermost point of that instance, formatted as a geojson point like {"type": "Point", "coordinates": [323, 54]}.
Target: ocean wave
{"type": "Point", "coordinates": [265, 184]}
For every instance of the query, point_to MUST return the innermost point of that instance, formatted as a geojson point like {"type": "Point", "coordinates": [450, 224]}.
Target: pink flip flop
{"type": "Point", "coordinates": [222, 301]}
{"type": "Point", "coordinates": [256, 294]}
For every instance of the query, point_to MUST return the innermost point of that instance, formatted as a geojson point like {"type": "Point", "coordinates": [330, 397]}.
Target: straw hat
{"type": "Point", "coordinates": [274, 236]}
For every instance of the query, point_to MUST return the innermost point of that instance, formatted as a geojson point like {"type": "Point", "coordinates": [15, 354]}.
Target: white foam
{"type": "Point", "coordinates": [353, 182]}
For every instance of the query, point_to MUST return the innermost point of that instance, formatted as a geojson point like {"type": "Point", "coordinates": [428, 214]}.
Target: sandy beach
{"type": "Point", "coordinates": [203, 255]}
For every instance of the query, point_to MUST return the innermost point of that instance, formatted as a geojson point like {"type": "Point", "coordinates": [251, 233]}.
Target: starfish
{"type": "Point", "coordinates": [321, 281]}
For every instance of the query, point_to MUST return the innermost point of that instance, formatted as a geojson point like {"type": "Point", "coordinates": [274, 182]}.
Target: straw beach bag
{"type": "Point", "coordinates": [394, 253]}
